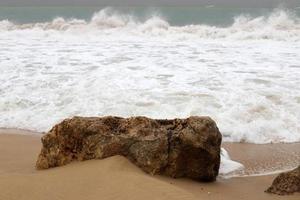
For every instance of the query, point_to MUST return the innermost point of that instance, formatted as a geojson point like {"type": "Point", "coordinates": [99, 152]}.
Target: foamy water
{"type": "Point", "coordinates": [245, 76]}
{"type": "Point", "coordinates": [228, 167]}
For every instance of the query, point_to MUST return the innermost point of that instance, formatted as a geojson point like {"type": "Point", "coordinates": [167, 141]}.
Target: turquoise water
{"type": "Point", "coordinates": [174, 15]}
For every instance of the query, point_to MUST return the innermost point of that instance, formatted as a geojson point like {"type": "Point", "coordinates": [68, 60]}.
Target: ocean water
{"type": "Point", "coordinates": [239, 66]}
{"type": "Point", "coordinates": [228, 167]}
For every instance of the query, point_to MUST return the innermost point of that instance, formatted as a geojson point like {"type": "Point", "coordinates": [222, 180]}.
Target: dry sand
{"type": "Point", "coordinates": [117, 178]}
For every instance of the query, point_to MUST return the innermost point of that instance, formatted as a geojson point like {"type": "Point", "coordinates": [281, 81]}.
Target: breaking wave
{"type": "Point", "coordinates": [278, 25]}
{"type": "Point", "coordinates": [118, 64]}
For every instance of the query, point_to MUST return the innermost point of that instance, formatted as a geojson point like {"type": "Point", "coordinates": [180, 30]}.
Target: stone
{"type": "Point", "coordinates": [286, 183]}
{"type": "Point", "coordinates": [176, 148]}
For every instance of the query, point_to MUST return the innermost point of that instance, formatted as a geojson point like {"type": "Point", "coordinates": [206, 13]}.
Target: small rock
{"type": "Point", "coordinates": [286, 183]}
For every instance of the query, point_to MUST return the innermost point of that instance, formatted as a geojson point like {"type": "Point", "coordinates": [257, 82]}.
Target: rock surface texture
{"type": "Point", "coordinates": [176, 148]}
{"type": "Point", "coordinates": [286, 183]}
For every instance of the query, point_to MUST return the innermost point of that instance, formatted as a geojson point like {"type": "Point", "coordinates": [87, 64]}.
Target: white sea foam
{"type": "Point", "coordinates": [229, 167]}
{"type": "Point", "coordinates": [245, 76]}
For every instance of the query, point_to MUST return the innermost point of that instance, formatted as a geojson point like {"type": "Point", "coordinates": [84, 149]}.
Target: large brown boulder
{"type": "Point", "coordinates": [286, 183]}
{"type": "Point", "coordinates": [177, 148]}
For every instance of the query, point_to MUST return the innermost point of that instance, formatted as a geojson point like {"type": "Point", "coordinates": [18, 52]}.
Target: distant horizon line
{"type": "Point", "coordinates": [163, 5]}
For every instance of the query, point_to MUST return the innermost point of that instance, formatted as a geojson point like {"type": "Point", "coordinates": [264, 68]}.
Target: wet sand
{"type": "Point", "coordinates": [117, 178]}
{"type": "Point", "coordinates": [264, 158]}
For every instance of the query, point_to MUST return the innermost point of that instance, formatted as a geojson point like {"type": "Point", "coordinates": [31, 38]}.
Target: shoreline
{"type": "Point", "coordinates": [19, 131]}
{"type": "Point", "coordinates": [105, 178]}
{"type": "Point", "coordinates": [264, 159]}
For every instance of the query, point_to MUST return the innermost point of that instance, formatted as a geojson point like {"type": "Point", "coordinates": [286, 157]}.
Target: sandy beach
{"type": "Point", "coordinates": [117, 178]}
{"type": "Point", "coordinates": [209, 92]}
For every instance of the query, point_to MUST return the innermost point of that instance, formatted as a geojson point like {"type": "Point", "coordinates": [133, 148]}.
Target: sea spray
{"type": "Point", "coordinates": [278, 25]}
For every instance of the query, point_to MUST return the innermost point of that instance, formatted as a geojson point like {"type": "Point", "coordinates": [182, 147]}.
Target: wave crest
{"type": "Point", "coordinates": [278, 25]}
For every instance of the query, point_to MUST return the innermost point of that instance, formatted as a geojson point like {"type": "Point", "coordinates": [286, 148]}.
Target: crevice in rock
{"type": "Point", "coordinates": [169, 141]}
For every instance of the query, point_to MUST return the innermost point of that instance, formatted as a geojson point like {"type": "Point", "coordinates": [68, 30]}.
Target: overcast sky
{"type": "Point", "coordinates": [243, 3]}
